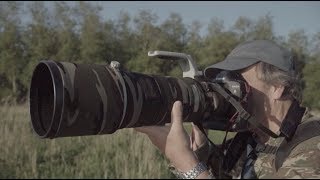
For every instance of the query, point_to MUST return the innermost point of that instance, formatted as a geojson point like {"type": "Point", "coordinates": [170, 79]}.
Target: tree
{"type": "Point", "coordinates": [92, 37]}
{"type": "Point", "coordinates": [311, 70]}
{"type": "Point", "coordinates": [145, 30]}
{"type": "Point", "coordinates": [298, 44]}
{"type": "Point", "coordinates": [147, 38]}
{"type": "Point", "coordinates": [248, 29]}
{"type": "Point", "coordinates": [79, 34]}
{"type": "Point", "coordinates": [311, 92]}
{"type": "Point", "coordinates": [174, 38]}
{"type": "Point", "coordinates": [11, 46]}
{"type": "Point", "coordinates": [216, 26]}
{"type": "Point", "coordinates": [67, 38]}
{"type": "Point", "coordinates": [125, 45]}
{"type": "Point", "coordinates": [315, 49]}
{"type": "Point", "coordinates": [217, 44]}
{"type": "Point", "coordinates": [194, 44]}
{"type": "Point", "coordinates": [243, 27]}
{"type": "Point", "coordinates": [263, 28]}
{"type": "Point", "coordinates": [175, 32]}
{"type": "Point", "coordinates": [40, 39]}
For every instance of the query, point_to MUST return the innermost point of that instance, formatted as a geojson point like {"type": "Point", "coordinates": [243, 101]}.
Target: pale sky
{"type": "Point", "coordinates": [287, 16]}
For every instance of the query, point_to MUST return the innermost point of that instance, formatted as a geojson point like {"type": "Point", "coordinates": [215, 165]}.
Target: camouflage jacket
{"type": "Point", "coordinates": [301, 161]}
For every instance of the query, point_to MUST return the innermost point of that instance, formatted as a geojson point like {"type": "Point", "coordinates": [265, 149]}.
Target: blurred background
{"type": "Point", "coordinates": [101, 32]}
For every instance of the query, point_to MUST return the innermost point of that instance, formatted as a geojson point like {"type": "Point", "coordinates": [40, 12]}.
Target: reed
{"type": "Point", "coordinates": [124, 154]}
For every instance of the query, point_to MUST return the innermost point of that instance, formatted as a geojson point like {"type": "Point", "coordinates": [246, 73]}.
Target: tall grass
{"type": "Point", "coordinates": [124, 154]}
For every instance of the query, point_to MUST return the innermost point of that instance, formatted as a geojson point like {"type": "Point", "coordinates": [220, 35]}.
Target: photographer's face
{"type": "Point", "coordinates": [259, 99]}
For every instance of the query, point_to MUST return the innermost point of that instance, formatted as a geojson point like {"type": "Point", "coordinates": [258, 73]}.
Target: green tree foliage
{"type": "Point", "coordinates": [251, 29]}
{"type": "Point", "coordinates": [263, 28]}
{"type": "Point", "coordinates": [67, 38]}
{"type": "Point", "coordinates": [217, 44]}
{"type": "Point", "coordinates": [125, 46]}
{"type": "Point", "coordinates": [298, 43]}
{"type": "Point", "coordinates": [243, 27]}
{"type": "Point", "coordinates": [315, 47]}
{"type": "Point", "coordinates": [311, 95]}
{"type": "Point", "coordinates": [40, 39]}
{"type": "Point", "coordinates": [11, 49]}
{"type": "Point", "coordinates": [78, 33]}
{"type": "Point", "coordinates": [175, 32]}
{"type": "Point", "coordinates": [174, 38]}
{"type": "Point", "coordinates": [146, 38]}
{"type": "Point", "coordinates": [311, 74]}
{"type": "Point", "coordinates": [92, 36]}
{"type": "Point", "coordinates": [194, 45]}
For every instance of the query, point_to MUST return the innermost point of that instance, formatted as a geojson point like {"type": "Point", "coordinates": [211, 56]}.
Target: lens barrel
{"type": "Point", "coordinates": [69, 99]}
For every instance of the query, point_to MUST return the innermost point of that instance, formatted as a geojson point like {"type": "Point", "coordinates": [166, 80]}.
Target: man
{"type": "Point", "coordinates": [292, 152]}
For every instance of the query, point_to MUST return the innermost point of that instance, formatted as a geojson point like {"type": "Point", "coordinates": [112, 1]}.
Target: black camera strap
{"type": "Point", "coordinates": [228, 154]}
{"type": "Point", "coordinates": [245, 116]}
{"type": "Point", "coordinates": [214, 150]}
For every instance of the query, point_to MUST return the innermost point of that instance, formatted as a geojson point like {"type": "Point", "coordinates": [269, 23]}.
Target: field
{"type": "Point", "coordinates": [124, 154]}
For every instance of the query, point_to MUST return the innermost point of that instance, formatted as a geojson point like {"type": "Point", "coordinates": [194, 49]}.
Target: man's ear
{"type": "Point", "coordinates": [276, 92]}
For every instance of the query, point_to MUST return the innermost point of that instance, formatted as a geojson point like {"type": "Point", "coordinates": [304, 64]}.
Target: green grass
{"type": "Point", "coordinates": [124, 154]}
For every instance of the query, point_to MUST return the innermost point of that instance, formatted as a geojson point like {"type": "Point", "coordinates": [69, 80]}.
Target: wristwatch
{"type": "Point", "coordinates": [191, 174]}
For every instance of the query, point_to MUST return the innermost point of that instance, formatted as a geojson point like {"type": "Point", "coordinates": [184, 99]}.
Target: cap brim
{"type": "Point", "coordinates": [229, 65]}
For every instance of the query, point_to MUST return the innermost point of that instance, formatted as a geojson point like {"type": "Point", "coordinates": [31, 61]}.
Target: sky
{"type": "Point", "coordinates": [287, 15]}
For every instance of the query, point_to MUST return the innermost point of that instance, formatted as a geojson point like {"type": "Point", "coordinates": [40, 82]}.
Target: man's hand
{"type": "Point", "coordinates": [197, 138]}
{"type": "Point", "coordinates": [174, 141]}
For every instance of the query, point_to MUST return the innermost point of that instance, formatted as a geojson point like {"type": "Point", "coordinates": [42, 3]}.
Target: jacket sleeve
{"type": "Point", "coordinates": [302, 165]}
{"type": "Point", "coordinates": [302, 162]}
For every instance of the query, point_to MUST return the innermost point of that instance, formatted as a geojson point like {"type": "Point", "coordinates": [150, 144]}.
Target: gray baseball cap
{"type": "Point", "coordinates": [251, 52]}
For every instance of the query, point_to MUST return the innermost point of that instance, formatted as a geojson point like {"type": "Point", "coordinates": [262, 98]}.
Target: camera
{"type": "Point", "coordinates": [70, 99]}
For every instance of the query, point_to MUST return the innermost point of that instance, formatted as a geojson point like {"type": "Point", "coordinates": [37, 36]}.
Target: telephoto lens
{"type": "Point", "coordinates": [69, 99]}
